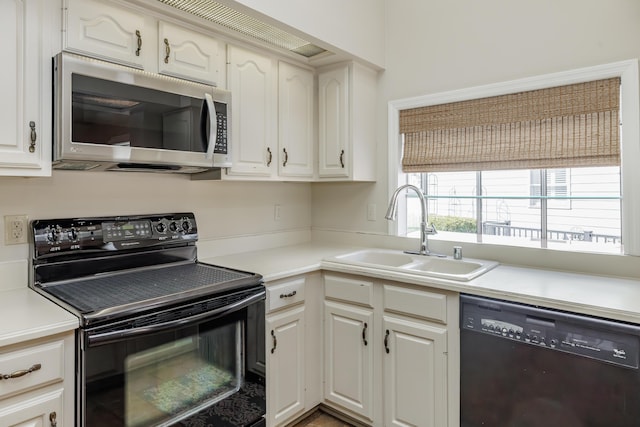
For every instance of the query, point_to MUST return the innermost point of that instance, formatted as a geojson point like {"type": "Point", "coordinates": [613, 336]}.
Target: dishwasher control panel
{"type": "Point", "coordinates": [596, 338]}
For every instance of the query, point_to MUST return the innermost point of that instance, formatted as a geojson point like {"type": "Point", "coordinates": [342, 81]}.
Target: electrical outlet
{"type": "Point", "coordinates": [371, 212]}
{"type": "Point", "coordinates": [276, 212]}
{"type": "Point", "coordinates": [15, 229]}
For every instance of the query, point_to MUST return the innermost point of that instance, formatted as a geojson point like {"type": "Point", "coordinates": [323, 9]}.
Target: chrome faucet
{"type": "Point", "coordinates": [392, 214]}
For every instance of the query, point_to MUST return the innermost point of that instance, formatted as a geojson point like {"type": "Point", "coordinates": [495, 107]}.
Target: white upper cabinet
{"type": "Point", "coordinates": [296, 115]}
{"type": "Point", "coordinates": [108, 31]}
{"type": "Point", "coordinates": [25, 84]}
{"type": "Point", "coordinates": [187, 54]}
{"type": "Point", "coordinates": [346, 134]}
{"type": "Point", "coordinates": [252, 80]}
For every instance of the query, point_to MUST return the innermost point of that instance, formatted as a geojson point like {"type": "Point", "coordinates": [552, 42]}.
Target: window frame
{"type": "Point", "coordinates": [629, 130]}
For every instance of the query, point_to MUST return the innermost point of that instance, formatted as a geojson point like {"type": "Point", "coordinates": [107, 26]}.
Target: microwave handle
{"type": "Point", "coordinates": [213, 125]}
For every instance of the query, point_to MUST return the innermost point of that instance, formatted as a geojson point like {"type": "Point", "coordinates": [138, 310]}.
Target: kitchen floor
{"type": "Point", "coordinates": [320, 419]}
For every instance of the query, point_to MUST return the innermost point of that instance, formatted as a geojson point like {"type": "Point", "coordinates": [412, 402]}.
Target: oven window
{"type": "Point", "coordinates": [158, 378]}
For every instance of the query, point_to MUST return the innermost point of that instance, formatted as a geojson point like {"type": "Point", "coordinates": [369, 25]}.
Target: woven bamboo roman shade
{"type": "Point", "coordinates": [566, 126]}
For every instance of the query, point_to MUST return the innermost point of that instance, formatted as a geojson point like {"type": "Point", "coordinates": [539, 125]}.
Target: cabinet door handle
{"type": "Point", "coordinates": [270, 156]}
{"type": "Point", "coordinates": [342, 159]}
{"type": "Point", "coordinates": [53, 419]}
{"type": "Point", "coordinates": [286, 157]}
{"type": "Point", "coordinates": [34, 137]}
{"type": "Point", "coordinates": [139, 35]}
{"type": "Point", "coordinates": [386, 341]}
{"type": "Point", "coordinates": [20, 373]}
{"type": "Point", "coordinates": [275, 341]}
{"type": "Point", "coordinates": [167, 51]}
{"type": "Point", "coordinates": [364, 333]}
{"type": "Point", "coordinates": [289, 295]}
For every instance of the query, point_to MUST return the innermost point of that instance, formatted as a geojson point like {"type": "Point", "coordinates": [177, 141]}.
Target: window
{"type": "Point", "coordinates": [577, 206]}
{"type": "Point", "coordinates": [524, 207]}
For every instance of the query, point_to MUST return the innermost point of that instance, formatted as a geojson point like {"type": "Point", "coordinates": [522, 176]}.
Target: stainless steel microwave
{"type": "Point", "coordinates": [112, 117]}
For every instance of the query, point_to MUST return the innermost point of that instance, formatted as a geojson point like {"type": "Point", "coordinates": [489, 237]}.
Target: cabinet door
{"type": "Point", "coordinates": [415, 374]}
{"type": "Point", "coordinates": [334, 122]}
{"type": "Point", "coordinates": [252, 81]}
{"type": "Point", "coordinates": [108, 32]}
{"type": "Point", "coordinates": [295, 121]}
{"type": "Point", "coordinates": [285, 365]}
{"type": "Point", "coordinates": [37, 409]}
{"type": "Point", "coordinates": [187, 54]}
{"type": "Point", "coordinates": [349, 357]}
{"type": "Point", "coordinates": [25, 84]}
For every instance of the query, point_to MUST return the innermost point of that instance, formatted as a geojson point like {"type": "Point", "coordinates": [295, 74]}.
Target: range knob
{"type": "Point", "coordinates": [173, 226]}
{"type": "Point", "coordinates": [53, 235]}
{"type": "Point", "coordinates": [161, 227]}
{"type": "Point", "coordinates": [72, 234]}
{"type": "Point", "coordinates": [186, 226]}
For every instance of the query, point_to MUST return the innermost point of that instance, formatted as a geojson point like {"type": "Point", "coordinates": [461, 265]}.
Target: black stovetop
{"type": "Point", "coordinates": [113, 267]}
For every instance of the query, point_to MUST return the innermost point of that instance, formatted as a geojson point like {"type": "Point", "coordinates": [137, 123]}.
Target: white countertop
{"type": "Point", "coordinates": [27, 315]}
{"type": "Point", "coordinates": [614, 298]}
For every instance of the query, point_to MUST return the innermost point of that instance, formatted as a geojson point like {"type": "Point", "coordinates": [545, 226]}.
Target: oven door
{"type": "Point", "coordinates": [205, 368]}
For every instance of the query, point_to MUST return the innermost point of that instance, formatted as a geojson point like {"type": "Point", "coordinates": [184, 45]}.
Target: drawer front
{"type": "Point", "coordinates": [285, 294]}
{"type": "Point", "coordinates": [31, 367]}
{"type": "Point", "coordinates": [417, 303]}
{"type": "Point", "coordinates": [351, 290]}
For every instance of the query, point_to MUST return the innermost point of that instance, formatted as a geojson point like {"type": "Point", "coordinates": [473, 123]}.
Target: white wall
{"type": "Point", "coordinates": [435, 46]}
{"type": "Point", "coordinates": [222, 209]}
{"type": "Point", "coordinates": [353, 26]}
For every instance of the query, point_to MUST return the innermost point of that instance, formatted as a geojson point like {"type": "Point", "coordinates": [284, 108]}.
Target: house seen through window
{"type": "Point", "coordinates": [539, 168]}
{"type": "Point", "coordinates": [568, 208]}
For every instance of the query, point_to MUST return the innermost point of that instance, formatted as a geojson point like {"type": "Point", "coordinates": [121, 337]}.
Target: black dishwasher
{"type": "Point", "coordinates": [526, 366]}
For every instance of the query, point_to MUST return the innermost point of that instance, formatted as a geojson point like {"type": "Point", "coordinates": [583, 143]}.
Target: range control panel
{"type": "Point", "coordinates": [601, 339]}
{"type": "Point", "coordinates": [74, 235]}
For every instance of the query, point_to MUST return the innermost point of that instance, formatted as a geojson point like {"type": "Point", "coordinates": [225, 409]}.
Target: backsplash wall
{"type": "Point", "coordinates": [222, 208]}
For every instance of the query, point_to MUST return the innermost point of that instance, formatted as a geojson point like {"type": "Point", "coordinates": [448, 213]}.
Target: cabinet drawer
{"type": "Point", "coordinates": [352, 290]}
{"type": "Point", "coordinates": [45, 362]}
{"type": "Point", "coordinates": [285, 294]}
{"type": "Point", "coordinates": [424, 304]}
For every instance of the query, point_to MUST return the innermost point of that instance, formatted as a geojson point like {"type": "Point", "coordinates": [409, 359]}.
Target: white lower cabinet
{"type": "Point", "coordinates": [38, 384]}
{"type": "Point", "coordinates": [349, 357]}
{"type": "Point", "coordinates": [391, 352]}
{"type": "Point", "coordinates": [293, 352]}
{"type": "Point", "coordinates": [286, 364]}
{"type": "Point", "coordinates": [35, 409]}
{"type": "Point", "coordinates": [415, 373]}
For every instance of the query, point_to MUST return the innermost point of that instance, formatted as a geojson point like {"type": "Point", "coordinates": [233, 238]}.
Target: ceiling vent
{"type": "Point", "coordinates": [246, 25]}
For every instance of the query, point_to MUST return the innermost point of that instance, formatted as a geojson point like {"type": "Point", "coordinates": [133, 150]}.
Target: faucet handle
{"type": "Point", "coordinates": [430, 229]}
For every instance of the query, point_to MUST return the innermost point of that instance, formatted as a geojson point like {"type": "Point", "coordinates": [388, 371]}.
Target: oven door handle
{"type": "Point", "coordinates": [118, 335]}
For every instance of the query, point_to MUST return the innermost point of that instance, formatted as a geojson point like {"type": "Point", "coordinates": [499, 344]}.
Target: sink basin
{"type": "Point", "coordinates": [377, 257]}
{"type": "Point", "coordinates": [431, 266]}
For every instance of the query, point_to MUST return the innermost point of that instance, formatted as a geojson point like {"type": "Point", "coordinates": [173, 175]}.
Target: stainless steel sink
{"type": "Point", "coordinates": [444, 268]}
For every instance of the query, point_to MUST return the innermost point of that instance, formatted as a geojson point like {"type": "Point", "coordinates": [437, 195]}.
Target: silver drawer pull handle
{"type": "Point", "coordinates": [53, 419]}
{"type": "Point", "coordinates": [289, 295]}
{"type": "Point", "coordinates": [20, 373]}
